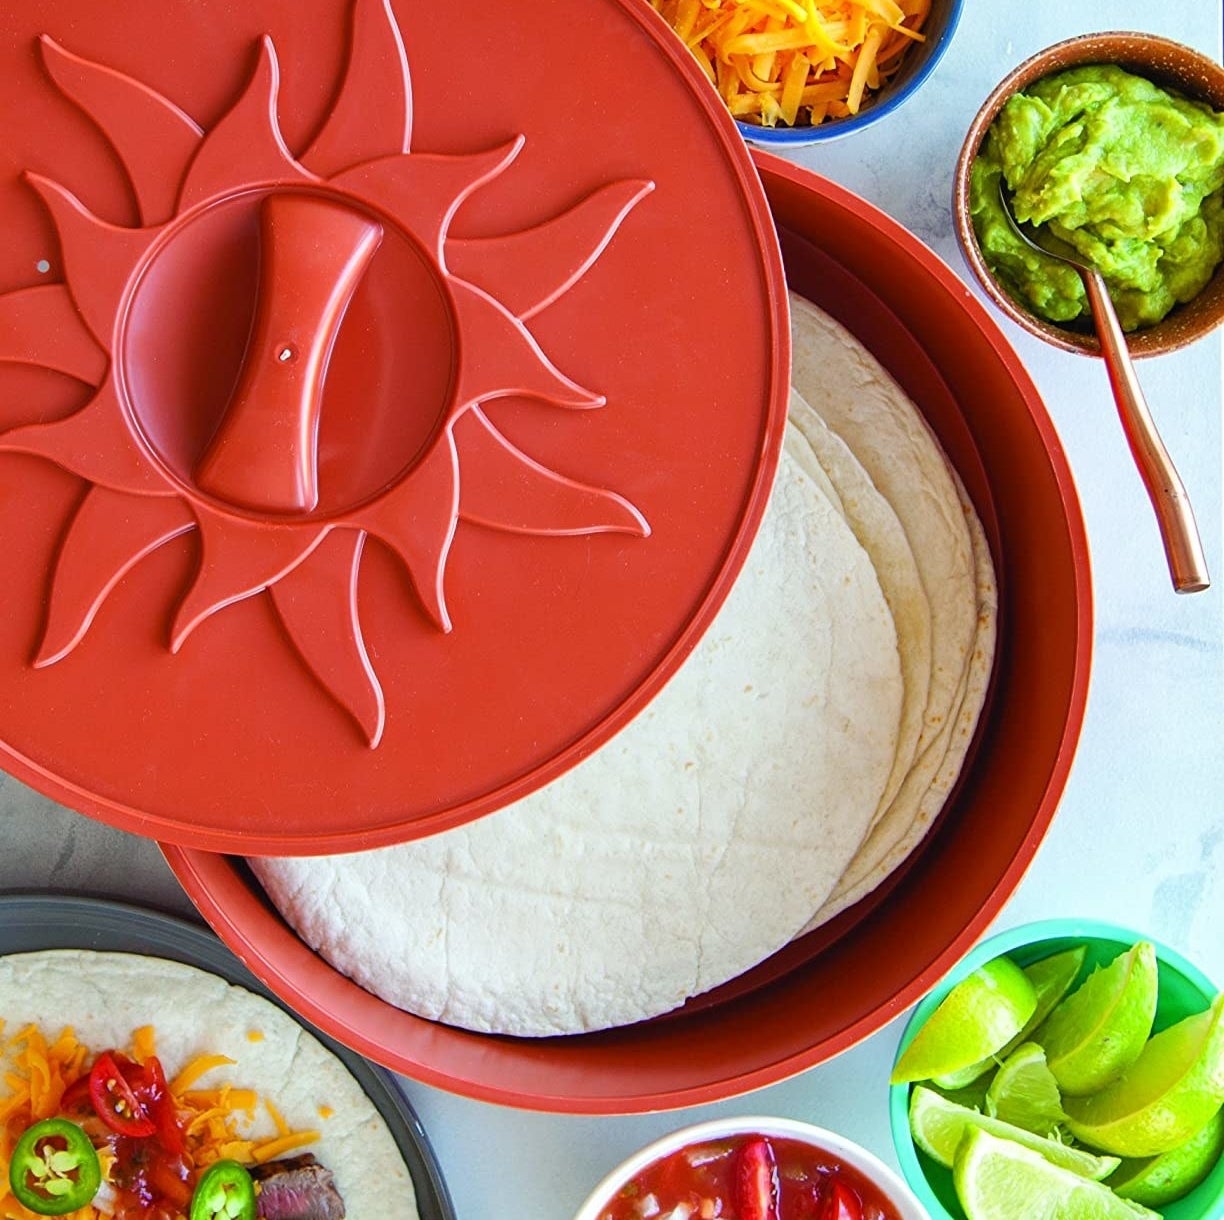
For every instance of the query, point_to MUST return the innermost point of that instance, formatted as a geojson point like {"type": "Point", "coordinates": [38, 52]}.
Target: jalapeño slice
{"type": "Point", "coordinates": [225, 1191]}
{"type": "Point", "coordinates": [54, 1168]}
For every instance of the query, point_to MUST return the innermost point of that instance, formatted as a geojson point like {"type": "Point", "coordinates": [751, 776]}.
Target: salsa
{"type": "Point", "coordinates": [127, 1108]}
{"type": "Point", "coordinates": [1126, 173]}
{"type": "Point", "coordinates": [750, 1177]}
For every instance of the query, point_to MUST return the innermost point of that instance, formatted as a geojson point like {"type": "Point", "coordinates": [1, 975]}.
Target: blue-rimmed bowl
{"type": "Point", "coordinates": [1184, 990]}
{"type": "Point", "coordinates": [919, 62]}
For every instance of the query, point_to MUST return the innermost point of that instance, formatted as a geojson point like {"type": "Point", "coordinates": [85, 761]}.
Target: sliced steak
{"type": "Point", "coordinates": [297, 1188]}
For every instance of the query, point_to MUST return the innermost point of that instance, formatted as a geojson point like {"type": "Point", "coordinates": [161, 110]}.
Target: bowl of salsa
{"type": "Point", "coordinates": [752, 1168]}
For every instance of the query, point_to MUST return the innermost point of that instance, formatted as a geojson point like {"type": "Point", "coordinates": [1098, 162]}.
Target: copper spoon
{"type": "Point", "coordinates": [1174, 515]}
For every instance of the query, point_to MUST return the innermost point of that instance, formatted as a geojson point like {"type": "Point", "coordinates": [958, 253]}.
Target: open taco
{"type": "Point", "coordinates": [143, 1089]}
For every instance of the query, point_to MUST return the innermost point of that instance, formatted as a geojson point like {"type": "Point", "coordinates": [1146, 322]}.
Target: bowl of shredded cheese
{"type": "Point", "coordinates": [802, 71]}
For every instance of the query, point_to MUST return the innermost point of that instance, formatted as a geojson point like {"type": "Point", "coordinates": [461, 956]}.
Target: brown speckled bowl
{"type": "Point", "coordinates": [1165, 63]}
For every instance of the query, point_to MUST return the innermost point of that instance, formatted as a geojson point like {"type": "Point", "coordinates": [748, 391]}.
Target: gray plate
{"type": "Point", "coordinates": [32, 922]}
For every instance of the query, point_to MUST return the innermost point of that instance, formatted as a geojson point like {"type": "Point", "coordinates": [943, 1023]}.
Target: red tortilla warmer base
{"type": "Point", "coordinates": [847, 980]}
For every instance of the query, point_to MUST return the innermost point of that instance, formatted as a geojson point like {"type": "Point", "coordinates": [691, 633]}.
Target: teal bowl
{"type": "Point", "coordinates": [1184, 990]}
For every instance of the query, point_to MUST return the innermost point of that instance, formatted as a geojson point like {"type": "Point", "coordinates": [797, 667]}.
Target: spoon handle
{"type": "Point", "coordinates": [1174, 515]}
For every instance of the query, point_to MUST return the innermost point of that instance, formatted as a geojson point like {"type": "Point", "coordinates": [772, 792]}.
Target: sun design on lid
{"type": "Point", "coordinates": [291, 354]}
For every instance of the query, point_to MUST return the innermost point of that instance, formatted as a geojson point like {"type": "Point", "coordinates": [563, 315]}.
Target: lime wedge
{"type": "Point", "coordinates": [1051, 978]}
{"type": "Point", "coordinates": [939, 1126]}
{"type": "Point", "coordinates": [976, 1018]}
{"type": "Point", "coordinates": [998, 1180]}
{"type": "Point", "coordinates": [1165, 1097]}
{"type": "Point", "coordinates": [1025, 1093]}
{"type": "Point", "coordinates": [955, 1082]}
{"type": "Point", "coordinates": [973, 1096]}
{"type": "Point", "coordinates": [1157, 1180]}
{"type": "Point", "coordinates": [1097, 1032]}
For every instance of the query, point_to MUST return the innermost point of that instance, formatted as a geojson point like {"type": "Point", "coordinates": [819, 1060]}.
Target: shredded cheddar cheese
{"type": "Point", "coordinates": [796, 62]}
{"type": "Point", "coordinates": [198, 1067]}
{"type": "Point", "coordinates": [227, 1097]}
{"type": "Point", "coordinates": [144, 1043]}
{"type": "Point", "coordinates": [278, 1120]}
{"type": "Point", "coordinates": [214, 1120]}
{"type": "Point", "coordinates": [269, 1150]}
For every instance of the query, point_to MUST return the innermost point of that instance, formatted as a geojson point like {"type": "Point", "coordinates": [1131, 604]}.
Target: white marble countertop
{"type": "Point", "coordinates": [1139, 837]}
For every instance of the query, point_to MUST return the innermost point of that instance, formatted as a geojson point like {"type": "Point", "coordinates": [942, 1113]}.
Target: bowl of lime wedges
{"type": "Point", "coordinates": [1066, 1068]}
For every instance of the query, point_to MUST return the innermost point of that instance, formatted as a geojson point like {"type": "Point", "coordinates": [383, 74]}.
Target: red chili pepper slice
{"type": "Point", "coordinates": [756, 1181]}
{"type": "Point", "coordinates": [76, 1098]}
{"type": "Point", "coordinates": [841, 1202]}
{"type": "Point", "coordinates": [161, 1107]}
{"type": "Point", "coordinates": [115, 1101]}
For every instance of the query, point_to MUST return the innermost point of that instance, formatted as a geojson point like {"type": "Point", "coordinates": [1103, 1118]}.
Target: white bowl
{"type": "Point", "coordinates": [889, 1183]}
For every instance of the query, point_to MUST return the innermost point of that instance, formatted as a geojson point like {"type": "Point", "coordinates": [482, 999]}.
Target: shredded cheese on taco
{"type": "Point", "coordinates": [213, 1120]}
{"type": "Point", "coordinates": [796, 62]}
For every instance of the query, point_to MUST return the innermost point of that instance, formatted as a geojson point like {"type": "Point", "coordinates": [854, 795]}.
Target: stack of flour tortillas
{"type": "Point", "coordinates": [794, 761]}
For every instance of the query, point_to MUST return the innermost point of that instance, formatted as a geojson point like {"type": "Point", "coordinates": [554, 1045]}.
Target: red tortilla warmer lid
{"type": "Point", "coordinates": [389, 394]}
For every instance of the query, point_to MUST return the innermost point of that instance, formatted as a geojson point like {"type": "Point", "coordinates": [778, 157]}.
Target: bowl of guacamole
{"type": "Point", "coordinates": [1112, 145]}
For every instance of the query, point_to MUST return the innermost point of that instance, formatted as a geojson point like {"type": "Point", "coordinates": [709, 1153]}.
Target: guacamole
{"type": "Point", "coordinates": [1127, 173]}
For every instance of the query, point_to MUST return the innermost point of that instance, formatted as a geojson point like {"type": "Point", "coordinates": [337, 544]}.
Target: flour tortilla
{"type": "Point", "coordinates": [910, 817]}
{"type": "Point", "coordinates": [805, 456]}
{"type": "Point", "coordinates": [106, 996]}
{"type": "Point", "coordinates": [882, 536]}
{"type": "Point", "coordinates": [859, 402]}
{"type": "Point", "coordinates": [853, 394]}
{"type": "Point", "coordinates": [692, 846]}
